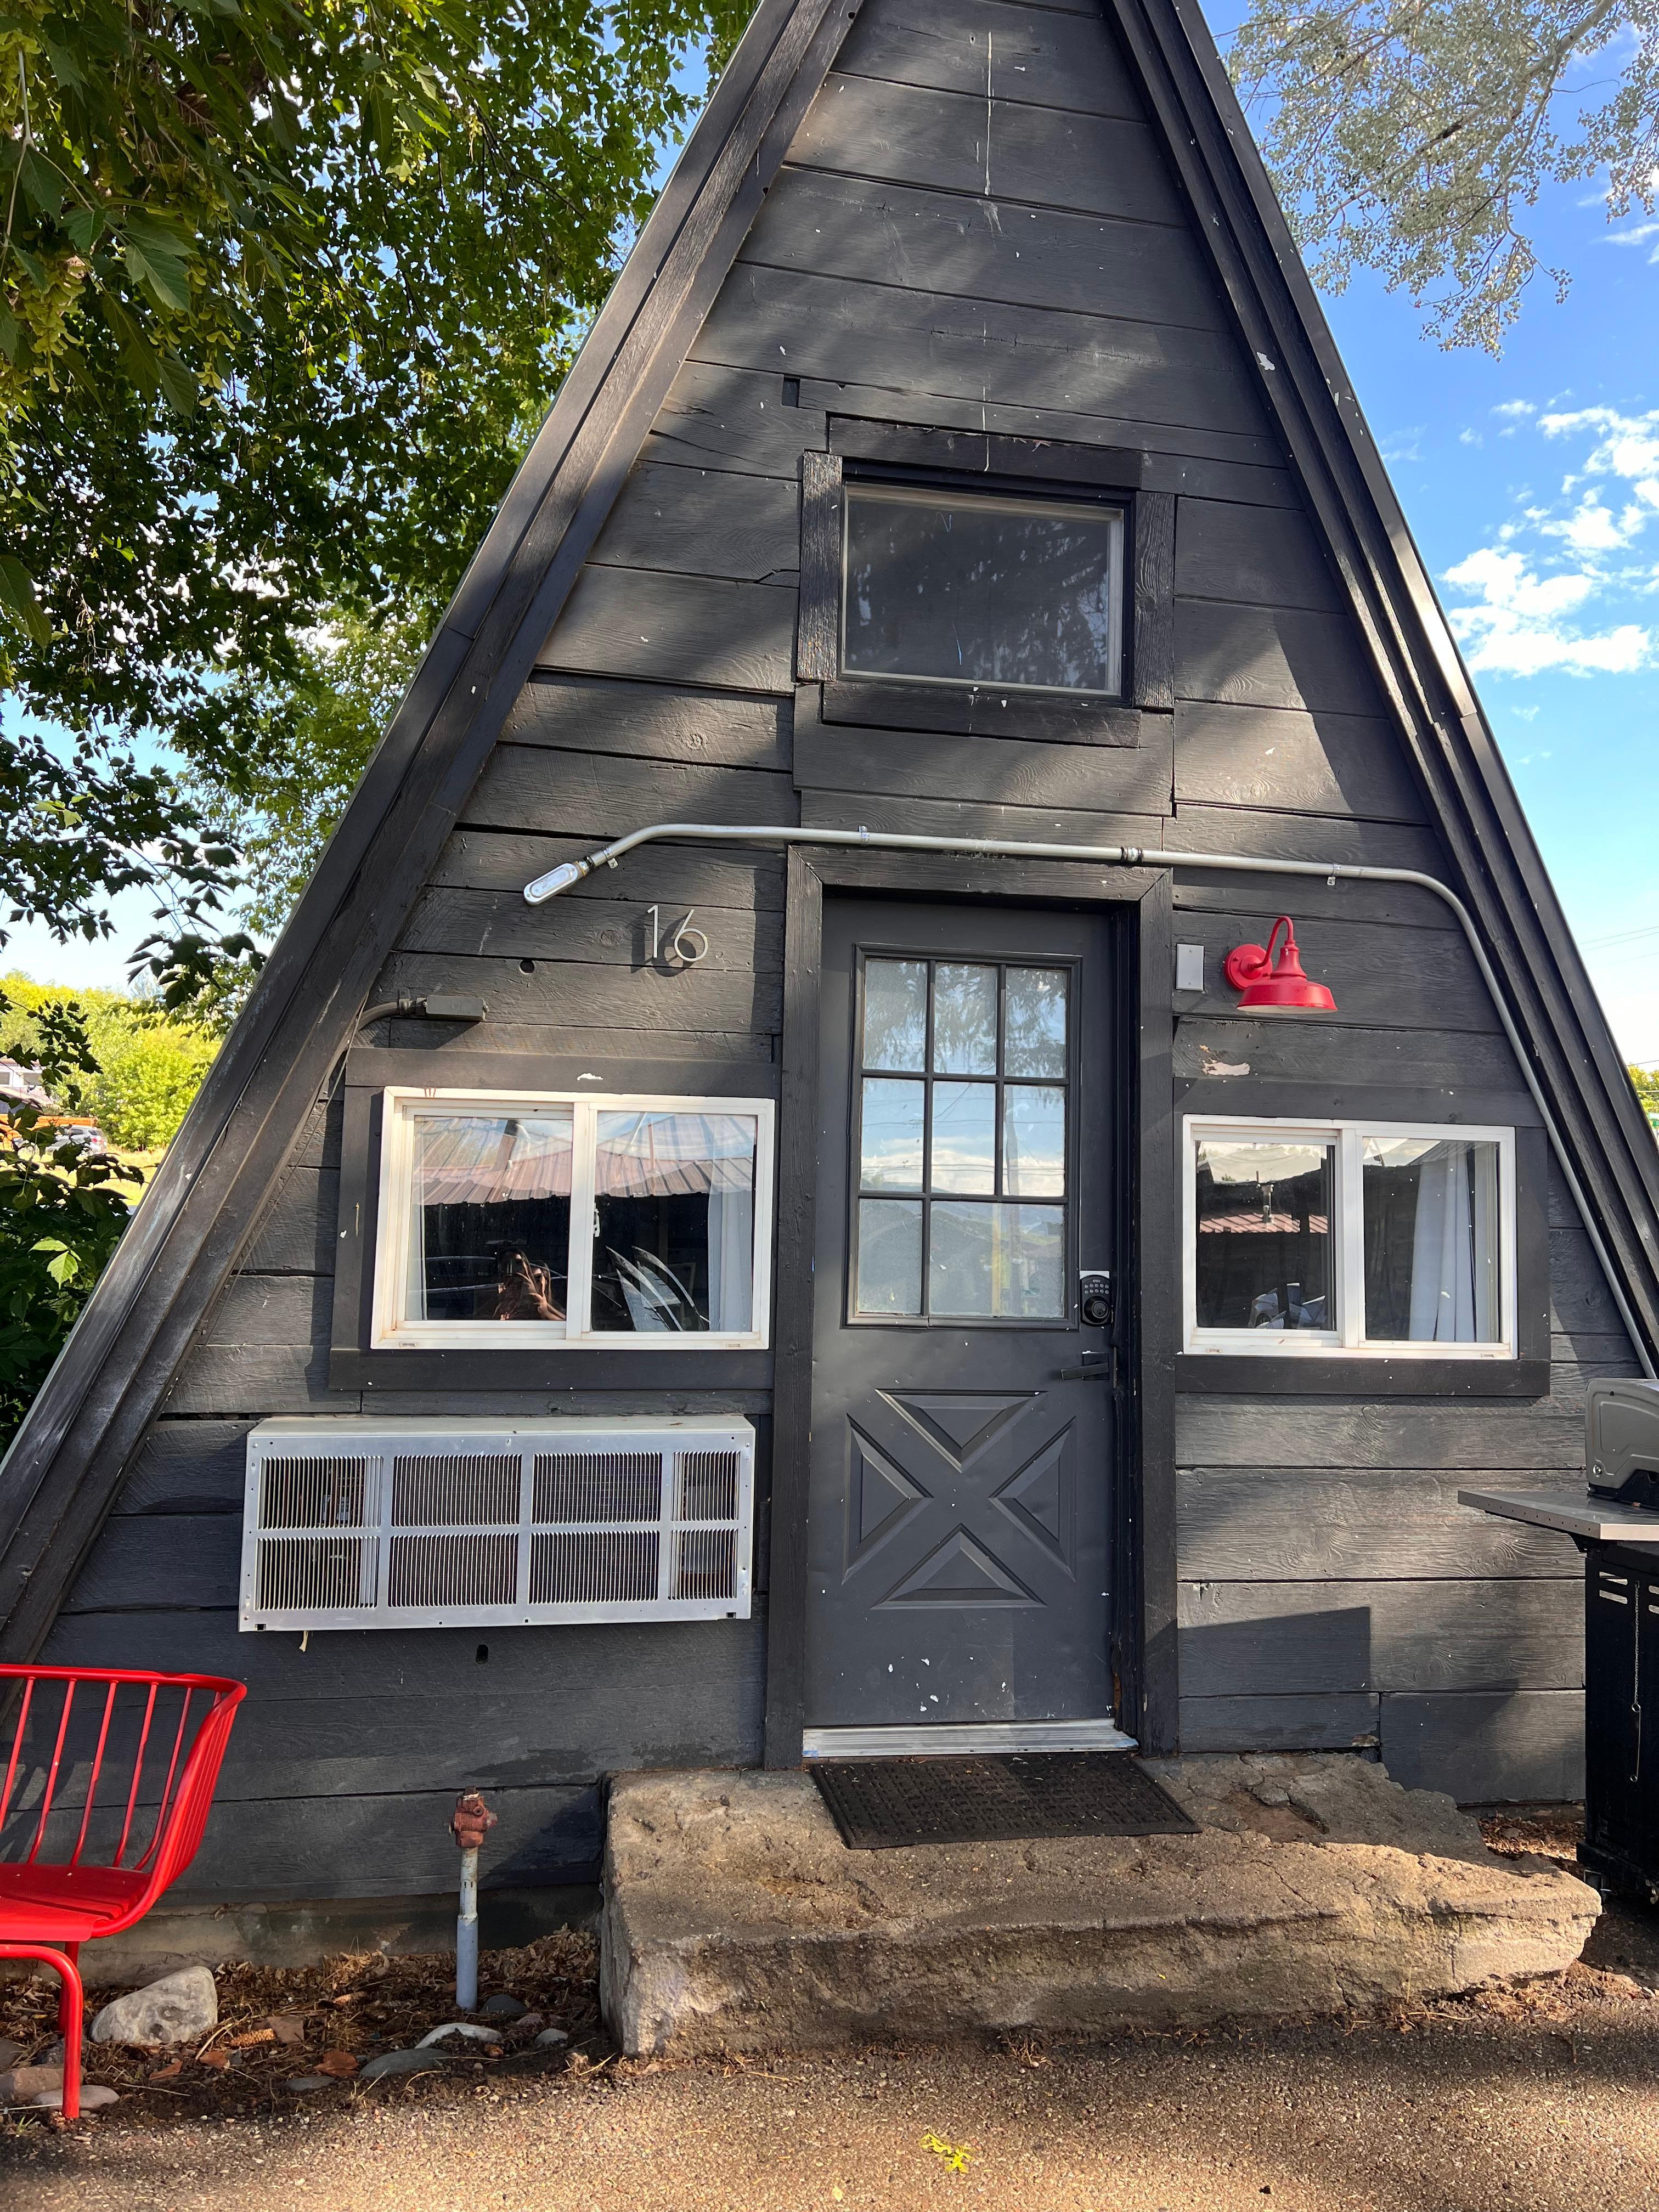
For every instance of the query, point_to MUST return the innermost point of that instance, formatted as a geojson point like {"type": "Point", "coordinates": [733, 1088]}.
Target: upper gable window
{"type": "Point", "coordinates": [532, 1219]}
{"type": "Point", "coordinates": [982, 590]}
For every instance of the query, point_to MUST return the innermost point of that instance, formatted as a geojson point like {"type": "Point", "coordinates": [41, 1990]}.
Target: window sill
{"type": "Point", "coordinates": [1340, 1375]}
{"type": "Point", "coordinates": [551, 1368]}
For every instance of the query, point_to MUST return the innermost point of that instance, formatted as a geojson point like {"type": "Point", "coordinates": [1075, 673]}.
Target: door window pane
{"type": "Point", "coordinates": [997, 1261]}
{"type": "Point", "coordinates": [961, 1261]}
{"type": "Point", "coordinates": [1432, 1241]}
{"type": "Point", "coordinates": [491, 1201]}
{"type": "Point", "coordinates": [895, 1013]}
{"type": "Point", "coordinates": [1264, 1233]}
{"type": "Point", "coordinates": [959, 587]}
{"type": "Point", "coordinates": [890, 1255]}
{"type": "Point", "coordinates": [1034, 1140]}
{"type": "Point", "coordinates": [674, 1222]}
{"type": "Point", "coordinates": [1032, 1262]}
{"type": "Point", "coordinates": [964, 1020]}
{"type": "Point", "coordinates": [966, 1136]}
{"type": "Point", "coordinates": [1035, 1019]}
{"type": "Point", "coordinates": [890, 1148]}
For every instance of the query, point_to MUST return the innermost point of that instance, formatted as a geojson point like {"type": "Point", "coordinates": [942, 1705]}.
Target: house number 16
{"type": "Point", "coordinates": [681, 942]}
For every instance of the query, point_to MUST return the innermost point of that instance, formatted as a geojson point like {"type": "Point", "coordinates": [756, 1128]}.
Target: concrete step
{"type": "Point", "coordinates": [735, 1920]}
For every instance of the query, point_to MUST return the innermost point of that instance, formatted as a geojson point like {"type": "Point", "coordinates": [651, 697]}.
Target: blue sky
{"type": "Point", "coordinates": [1532, 483]}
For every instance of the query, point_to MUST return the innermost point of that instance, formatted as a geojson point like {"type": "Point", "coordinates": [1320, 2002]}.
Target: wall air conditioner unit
{"type": "Point", "coordinates": [352, 1522]}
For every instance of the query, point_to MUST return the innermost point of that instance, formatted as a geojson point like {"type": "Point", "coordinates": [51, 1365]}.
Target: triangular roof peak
{"type": "Point", "coordinates": [58, 1481]}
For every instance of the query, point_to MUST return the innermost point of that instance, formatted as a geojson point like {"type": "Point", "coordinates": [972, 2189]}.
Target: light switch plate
{"type": "Point", "coordinates": [1189, 968]}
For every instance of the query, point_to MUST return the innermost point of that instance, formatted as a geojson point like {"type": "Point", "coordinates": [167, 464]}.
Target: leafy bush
{"type": "Point", "coordinates": [143, 1068]}
{"type": "Point", "coordinates": [60, 1217]}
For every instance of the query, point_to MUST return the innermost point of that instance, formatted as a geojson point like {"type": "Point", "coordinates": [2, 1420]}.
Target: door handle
{"type": "Point", "coordinates": [1098, 1367]}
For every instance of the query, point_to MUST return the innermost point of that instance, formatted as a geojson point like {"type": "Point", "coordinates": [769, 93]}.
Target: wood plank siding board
{"type": "Point", "coordinates": [504, 860]}
{"type": "Point", "coordinates": [703, 522]}
{"type": "Point", "coordinates": [734, 419]}
{"type": "Point", "coordinates": [1297, 1639]}
{"type": "Point", "coordinates": [976, 248]}
{"type": "Point", "coordinates": [828, 328]}
{"type": "Point", "coordinates": [1270, 656]}
{"type": "Point", "coordinates": [598, 797]}
{"type": "Point", "coordinates": [1226, 1061]}
{"type": "Point", "coordinates": [1007, 771]}
{"type": "Point", "coordinates": [1487, 1747]}
{"type": "Point", "coordinates": [677, 630]}
{"type": "Point", "coordinates": [546, 993]}
{"type": "Point", "coordinates": [395, 1844]}
{"type": "Point", "coordinates": [1174, 457]}
{"type": "Point", "coordinates": [1394, 907]}
{"type": "Point", "coordinates": [1341, 1721]}
{"type": "Point", "coordinates": [1252, 1432]}
{"type": "Point", "coordinates": [1439, 988]}
{"type": "Point", "coordinates": [1041, 57]}
{"type": "Point", "coordinates": [952, 817]}
{"type": "Point", "coordinates": [1364, 1524]}
{"type": "Point", "coordinates": [187, 1466]}
{"type": "Point", "coordinates": [1002, 149]}
{"type": "Point", "coordinates": [296, 1233]}
{"type": "Point", "coordinates": [619, 930]}
{"type": "Point", "coordinates": [1230, 552]}
{"type": "Point", "coordinates": [683, 1662]}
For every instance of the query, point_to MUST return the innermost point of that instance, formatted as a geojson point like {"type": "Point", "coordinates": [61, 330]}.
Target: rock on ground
{"type": "Point", "coordinates": [22, 2085]}
{"type": "Point", "coordinates": [736, 1920]}
{"type": "Point", "coordinates": [181, 2008]}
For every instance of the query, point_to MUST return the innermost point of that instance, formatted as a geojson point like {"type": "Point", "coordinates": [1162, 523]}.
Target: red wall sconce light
{"type": "Point", "coordinates": [1270, 986]}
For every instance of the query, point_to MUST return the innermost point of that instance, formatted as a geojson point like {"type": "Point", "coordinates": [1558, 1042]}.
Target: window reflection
{"type": "Point", "coordinates": [492, 1209]}
{"type": "Point", "coordinates": [958, 587]}
{"type": "Point", "coordinates": [1264, 1234]}
{"type": "Point", "coordinates": [674, 1222]}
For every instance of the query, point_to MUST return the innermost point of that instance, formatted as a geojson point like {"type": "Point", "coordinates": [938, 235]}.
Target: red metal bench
{"type": "Point", "coordinates": [105, 1791]}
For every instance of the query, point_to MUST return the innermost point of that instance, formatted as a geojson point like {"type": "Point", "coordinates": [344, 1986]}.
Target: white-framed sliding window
{"type": "Point", "coordinates": [1381, 1239]}
{"type": "Point", "coordinates": [533, 1218]}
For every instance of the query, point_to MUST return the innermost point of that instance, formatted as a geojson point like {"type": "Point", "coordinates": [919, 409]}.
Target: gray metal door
{"type": "Point", "coordinates": [960, 1510]}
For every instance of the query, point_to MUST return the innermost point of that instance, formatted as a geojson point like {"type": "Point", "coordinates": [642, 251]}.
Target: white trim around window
{"type": "Point", "coordinates": [1344, 1332]}
{"type": "Point", "coordinates": [569, 1157]}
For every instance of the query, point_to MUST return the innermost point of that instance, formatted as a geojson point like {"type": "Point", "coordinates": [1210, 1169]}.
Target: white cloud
{"type": "Point", "coordinates": [1515, 411]}
{"type": "Point", "coordinates": [1638, 234]}
{"type": "Point", "coordinates": [1470, 438]}
{"type": "Point", "coordinates": [1516, 622]}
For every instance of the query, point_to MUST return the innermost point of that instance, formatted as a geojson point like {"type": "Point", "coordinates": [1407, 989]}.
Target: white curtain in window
{"type": "Point", "coordinates": [730, 1258]}
{"type": "Point", "coordinates": [1455, 1246]}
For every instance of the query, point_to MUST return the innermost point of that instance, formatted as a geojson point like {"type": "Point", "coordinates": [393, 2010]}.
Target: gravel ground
{"type": "Point", "coordinates": [1544, 2099]}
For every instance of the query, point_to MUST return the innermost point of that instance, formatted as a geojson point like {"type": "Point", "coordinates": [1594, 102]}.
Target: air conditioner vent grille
{"type": "Point", "coordinates": [355, 1524]}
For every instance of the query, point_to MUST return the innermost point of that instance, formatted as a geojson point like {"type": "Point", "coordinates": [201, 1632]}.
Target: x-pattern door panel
{"type": "Point", "coordinates": [960, 1502]}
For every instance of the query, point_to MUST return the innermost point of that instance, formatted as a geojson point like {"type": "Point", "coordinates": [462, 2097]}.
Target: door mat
{"type": "Point", "coordinates": [1014, 1797]}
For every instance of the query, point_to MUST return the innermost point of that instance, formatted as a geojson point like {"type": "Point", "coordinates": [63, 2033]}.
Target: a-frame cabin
{"type": "Point", "coordinates": [961, 455]}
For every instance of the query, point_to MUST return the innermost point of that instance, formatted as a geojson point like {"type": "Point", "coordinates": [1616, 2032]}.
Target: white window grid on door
{"type": "Point", "coordinates": [1347, 1290]}
{"type": "Point", "coordinates": [655, 1521]}
{"type": "Point", "coordinates": [391, 1327]}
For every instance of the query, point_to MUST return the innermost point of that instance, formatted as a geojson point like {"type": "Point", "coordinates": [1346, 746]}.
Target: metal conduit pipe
{"type": "Point", "coordinates": [570, 872]}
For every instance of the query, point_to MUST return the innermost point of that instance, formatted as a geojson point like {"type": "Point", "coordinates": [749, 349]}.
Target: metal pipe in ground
{"type": "Point", "coordinates": [470, 1824]}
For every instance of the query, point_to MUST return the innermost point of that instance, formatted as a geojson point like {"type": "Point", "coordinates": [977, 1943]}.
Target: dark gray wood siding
{"type": "Point", "coordinates": [975, 230]}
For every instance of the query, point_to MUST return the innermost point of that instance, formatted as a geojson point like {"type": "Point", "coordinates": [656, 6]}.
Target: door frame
{"type": "Point", "coordinates": [1144, 1659]}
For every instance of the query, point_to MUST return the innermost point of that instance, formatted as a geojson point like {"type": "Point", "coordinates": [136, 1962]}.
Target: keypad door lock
{"type": "Point", "coordinates": [1095, 1298]}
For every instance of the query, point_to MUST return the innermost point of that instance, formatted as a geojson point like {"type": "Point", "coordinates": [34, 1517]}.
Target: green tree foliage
{"type": "Point", "coordinates": [1412, 137]}
{"type": "Point", "coordinates": [285, 287]}
{"type": "Point", "coordinates": [60, 1214]}
{"type": "Point", "coordinates": [141, 1068]}
{"type": "Point", "coordinates": [1646, 1083]}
